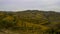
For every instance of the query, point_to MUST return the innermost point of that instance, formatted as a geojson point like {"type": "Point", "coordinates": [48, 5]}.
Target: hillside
{"type": "Point", "coordinates": [30, 22]}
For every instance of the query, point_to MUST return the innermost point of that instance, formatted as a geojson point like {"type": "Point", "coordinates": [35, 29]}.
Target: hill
{"type": "Point", "coordinates": [30, 22]}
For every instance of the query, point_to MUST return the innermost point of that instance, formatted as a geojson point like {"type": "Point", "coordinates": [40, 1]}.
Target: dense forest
{"type": "Point", "coordinates": [29, 22]}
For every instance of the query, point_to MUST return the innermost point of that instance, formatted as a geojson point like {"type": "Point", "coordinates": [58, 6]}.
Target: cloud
{"type": "Point", "coordinates": [30, 4]}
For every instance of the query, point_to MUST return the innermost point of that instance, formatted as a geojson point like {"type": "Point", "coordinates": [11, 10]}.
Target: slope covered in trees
{"type": "Point", "coordinates": [29, 22]}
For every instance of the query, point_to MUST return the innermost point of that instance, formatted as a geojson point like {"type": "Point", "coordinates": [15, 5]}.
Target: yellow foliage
{"type": "Point", "coordinates": [19, 23]}
{"type": "Point", "coordinates": [39, 16]}
{"type": "Point", "coordinates": [27, 24]}
{"type": "Point", "coordinates": [9, 18]}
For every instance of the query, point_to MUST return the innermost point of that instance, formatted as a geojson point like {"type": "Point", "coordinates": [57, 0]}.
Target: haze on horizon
{"type": "Point", "coordinates": [17, 5]}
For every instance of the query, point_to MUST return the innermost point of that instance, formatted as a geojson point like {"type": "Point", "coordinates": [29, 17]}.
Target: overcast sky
{"type": "Point", "coordinates": [12, 5]}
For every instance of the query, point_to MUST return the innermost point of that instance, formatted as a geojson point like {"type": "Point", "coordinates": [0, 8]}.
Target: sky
{"type": "Point", "coordinates": [17, 5]}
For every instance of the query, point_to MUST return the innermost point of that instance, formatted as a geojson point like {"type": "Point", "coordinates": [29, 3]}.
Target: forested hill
{"type": "Point", "coordinates": [29, 22]}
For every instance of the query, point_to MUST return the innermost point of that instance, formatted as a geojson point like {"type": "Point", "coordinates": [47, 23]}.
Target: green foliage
{"type": "Point", "coordinates": [31, 21]}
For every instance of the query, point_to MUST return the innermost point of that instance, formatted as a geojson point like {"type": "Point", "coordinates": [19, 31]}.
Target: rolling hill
{"type": "Point", "coordinates": [30, 22]}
